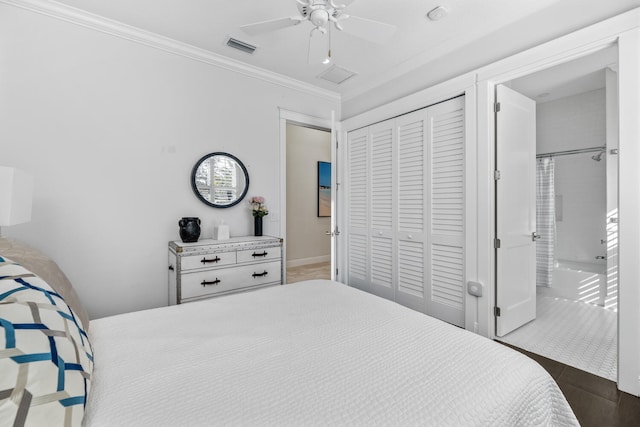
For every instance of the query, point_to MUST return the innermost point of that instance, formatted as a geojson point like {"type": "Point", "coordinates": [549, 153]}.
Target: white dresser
{"type": "Point", "coordinates": [210, 268]}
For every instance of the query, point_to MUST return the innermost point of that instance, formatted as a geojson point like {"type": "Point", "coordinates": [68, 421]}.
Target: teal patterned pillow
{"type": "Point", "coordinates": [46, 358]}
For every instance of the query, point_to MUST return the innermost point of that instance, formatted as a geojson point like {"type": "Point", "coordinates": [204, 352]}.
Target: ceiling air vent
{"type": "Point", "coordinates": [336, 74]}
{"type": "Point", "coordinates": [240, 45]}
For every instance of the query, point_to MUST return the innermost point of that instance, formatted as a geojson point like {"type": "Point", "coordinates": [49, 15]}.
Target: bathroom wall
{"type": "Point", "coordinates": [571, 123]}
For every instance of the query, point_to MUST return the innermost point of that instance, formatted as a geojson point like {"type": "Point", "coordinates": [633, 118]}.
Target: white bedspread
{"type": "Point", "coordinates": [311, 353]}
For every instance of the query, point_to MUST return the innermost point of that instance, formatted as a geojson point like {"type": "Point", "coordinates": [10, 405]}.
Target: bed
{"type": "Point", "coordinates": [311, 353]}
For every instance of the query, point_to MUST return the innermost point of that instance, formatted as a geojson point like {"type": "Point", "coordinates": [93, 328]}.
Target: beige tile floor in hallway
{"type": "Point", "coordinates": [309, 272]}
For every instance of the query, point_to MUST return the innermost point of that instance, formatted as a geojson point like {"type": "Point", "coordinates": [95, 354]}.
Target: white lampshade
{"type": "Point", "coordinates": [16, 195]}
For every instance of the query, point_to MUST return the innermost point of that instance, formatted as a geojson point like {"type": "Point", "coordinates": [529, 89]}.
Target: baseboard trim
{"type": "Point", "coordinates": [308, 261]}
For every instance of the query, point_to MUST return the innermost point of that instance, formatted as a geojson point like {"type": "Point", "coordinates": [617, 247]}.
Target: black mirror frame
{"type": "Point", "coordinates": [205, 201]}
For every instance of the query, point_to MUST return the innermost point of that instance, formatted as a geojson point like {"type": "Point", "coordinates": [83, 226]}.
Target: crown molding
{"type": "Point", "coordinates": [108, 26]}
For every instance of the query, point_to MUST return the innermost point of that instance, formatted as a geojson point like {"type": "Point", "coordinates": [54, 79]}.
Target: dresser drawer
{"type": "Point", "coordinates": [257, 255]}
{"type": "Point", "coordinates": [193, 262]}
{"type": "Point", "coordinates": [211, 282]}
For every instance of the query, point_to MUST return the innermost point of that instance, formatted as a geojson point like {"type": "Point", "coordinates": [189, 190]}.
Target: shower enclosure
{"type": "Point", "coordinates": [572, 224]}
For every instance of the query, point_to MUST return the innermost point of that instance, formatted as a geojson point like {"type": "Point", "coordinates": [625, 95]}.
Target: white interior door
{"type": "Point", "coordinates": [411, 202]}
{"type": "Point", "coordinates": [357, 201]}
{"type": "Point", "coordinates": [515, 210]}
{"type": "Point", "coordinates": [382, 209]}
{"type": "Point", "coordinates": [445, 297]}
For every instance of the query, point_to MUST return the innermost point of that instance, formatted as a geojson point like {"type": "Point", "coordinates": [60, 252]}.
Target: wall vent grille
{"type": "Point", "coordinates": [240, 45]}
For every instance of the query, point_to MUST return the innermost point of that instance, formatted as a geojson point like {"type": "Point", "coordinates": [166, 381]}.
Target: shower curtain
{"type": "Point", "coordinates": [545, 220]}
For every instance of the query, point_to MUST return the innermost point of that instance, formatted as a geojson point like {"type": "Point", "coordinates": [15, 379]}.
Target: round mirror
{"type": "Point", "coordinates": [220, 180]}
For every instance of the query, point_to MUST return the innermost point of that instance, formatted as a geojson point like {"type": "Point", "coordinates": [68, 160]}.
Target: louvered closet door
{"type": "Point", "coordinates": [406, 210]}
{"type": "Point", "coordinates": [382, 209]}
{"type": "Point", "coordinates": [358, 208]}
{"type": "Point", "coordinates": [445, 139]}
{"type": "Point", "coordinates": [411, 209]}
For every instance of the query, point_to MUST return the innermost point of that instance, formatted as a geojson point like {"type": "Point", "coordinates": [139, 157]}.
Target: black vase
{"type": "Point", "coordinates": [189, 229]}
{"type": "Point", "coordinates": [257, 221]}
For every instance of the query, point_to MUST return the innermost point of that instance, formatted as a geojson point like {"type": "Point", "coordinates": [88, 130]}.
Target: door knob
{"type": "Point", "coordinates": [535, 236]}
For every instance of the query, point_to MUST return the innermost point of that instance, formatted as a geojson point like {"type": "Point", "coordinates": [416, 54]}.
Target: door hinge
{"type": "Point", "coordinates": [496, 243]}
{"type": "Point", "coordinates": [496, 107]}
{"type": "Point", "coordinates": [496, 175]}
{"type": "Point", "coordinates": [496, 311]}
{"type": "Point", "coordinates": [336, 272]}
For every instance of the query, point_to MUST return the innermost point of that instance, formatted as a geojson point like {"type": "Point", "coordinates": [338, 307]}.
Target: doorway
{"type": "Point", "coordinates": [576, 215]}
{"type": "Point", "coordinates": [308, 203]}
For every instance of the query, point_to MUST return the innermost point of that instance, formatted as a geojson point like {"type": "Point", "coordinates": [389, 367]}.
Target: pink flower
{"type": "Point", "coordinates": [257, 206]}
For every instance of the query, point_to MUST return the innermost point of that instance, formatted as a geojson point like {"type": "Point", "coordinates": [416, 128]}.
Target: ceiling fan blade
{"type": "Point", "coordinates": [367, 29]}
{"type": "Point", "coordinates": [272, 25]}
{"type": "Point", "coordinates": [318, 47]}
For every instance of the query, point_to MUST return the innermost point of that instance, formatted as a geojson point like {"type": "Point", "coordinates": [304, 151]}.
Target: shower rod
{"type": "Point", "coordinates": [567, 152]}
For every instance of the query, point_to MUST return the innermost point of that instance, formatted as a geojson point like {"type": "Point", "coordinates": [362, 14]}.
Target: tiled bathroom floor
{"type": "Point", "coordinates": [574, 333]}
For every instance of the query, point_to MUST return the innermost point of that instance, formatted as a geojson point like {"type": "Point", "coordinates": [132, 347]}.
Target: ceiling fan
{"type": "Point", "coordinates": [323, 15]}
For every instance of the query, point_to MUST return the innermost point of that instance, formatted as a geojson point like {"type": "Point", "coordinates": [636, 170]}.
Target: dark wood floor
{"type": "Point", "coordinates": [595, 400]}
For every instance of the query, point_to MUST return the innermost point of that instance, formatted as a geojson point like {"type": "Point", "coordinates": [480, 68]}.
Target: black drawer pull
{"type": "Point", "coordinates": [215, 282]}
{"type": "Point", "coordinates": [264, 253]}
{"type": "Point", "coordinates": [204, 260]}
{"type": "Point", "coordinates": [264, 273]}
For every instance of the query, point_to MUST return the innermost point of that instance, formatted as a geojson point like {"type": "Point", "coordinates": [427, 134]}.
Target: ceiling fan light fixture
{"type": "Point", "coordinates": [319, 18]}
{"type": "Point", "coordinates": [322, 14]}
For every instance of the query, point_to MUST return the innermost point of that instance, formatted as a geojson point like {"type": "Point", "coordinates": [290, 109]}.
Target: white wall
{"type": "Point", "coordinates": [110, 129]}
{"type": "Point", "coordinates": [572, 123]}
{"type": "Point", "coordinates": [307, 242]}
